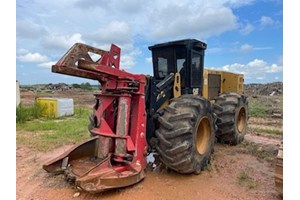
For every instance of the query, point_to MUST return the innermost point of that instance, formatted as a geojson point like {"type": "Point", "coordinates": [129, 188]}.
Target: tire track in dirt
{"type": "Point", "coordinates": [219, 181]}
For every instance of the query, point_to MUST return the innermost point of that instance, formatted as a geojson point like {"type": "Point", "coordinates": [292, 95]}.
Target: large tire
{"type": "Point", "coordinates": [186, 134]}
{"type": "Point", "coordinates": [232, 116]}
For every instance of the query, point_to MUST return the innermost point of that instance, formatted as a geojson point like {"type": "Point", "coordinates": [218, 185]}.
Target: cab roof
{"type": "Point", "coordinates": [185, 42]}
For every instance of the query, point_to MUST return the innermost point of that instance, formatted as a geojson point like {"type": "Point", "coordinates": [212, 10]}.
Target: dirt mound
{"type": "Point", "coordinates": [269, 89]}
{"type": "Point", "coordinates": [46, 87]}
{"type": "Point", "coordinates": [58, 87]}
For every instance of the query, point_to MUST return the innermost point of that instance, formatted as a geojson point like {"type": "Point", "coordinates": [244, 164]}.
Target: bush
{"type": "Point", "coordinates": [84, 86]}
{"type": "Point", "coordinates": [75, 85]}
{"type": "Point", "coordinates": [24, 114]}
{"type": "Point", "coordinates": [21, 114]}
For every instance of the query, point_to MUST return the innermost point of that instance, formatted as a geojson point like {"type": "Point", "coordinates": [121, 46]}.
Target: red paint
{"type": "Point", "coordinates": [119, 114]}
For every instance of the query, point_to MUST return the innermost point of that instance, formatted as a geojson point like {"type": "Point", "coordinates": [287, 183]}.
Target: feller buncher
{"type": "Point", "coordinates": [178, 113]}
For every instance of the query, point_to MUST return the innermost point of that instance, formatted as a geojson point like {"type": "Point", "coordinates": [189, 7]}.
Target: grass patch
{"type": "Point", "coordinates": [208, 167]}
{"type": "Point", "coordinates": [24, 114]}
{"type": "Point", "coordinates": [46, 134]}
{"type": "Point", "coordinates": [245, 179]}
{"type": "Point", "coordinates": [257, 108]}
{"type": "Point", "coordinates": [263, 106]}
{"type": "Point", "coordinates": [258, 151]}
{"type": "Point", "coordinates": [267, 130]}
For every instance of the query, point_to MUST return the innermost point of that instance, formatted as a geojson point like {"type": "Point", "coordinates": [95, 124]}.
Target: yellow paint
{"type": "Point", "coordinates": [164, 104]}
{"type": "Point", "coordinates": [177, 86]}
{"type": "Point", "coordinates": [176, 90]}
{"type": "Point", "coordinates": [230, 82]}
{"type": "Point", "coordinates": [233, 82]}
{"type": "Point", "coordinates": [49, 106]}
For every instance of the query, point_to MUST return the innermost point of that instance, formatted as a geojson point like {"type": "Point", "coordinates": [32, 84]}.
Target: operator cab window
{"type": "Point", "coordinates": [181, 64]}
{"type": "Point", "coordinates": [162, 67]}
{"type": "Point", "coordinates": [196, 71]}
{"type": "Point", "coordinates": [163, 60]}
{"type": "Point", "coordinates": [168, 60]}
{"type": "Point", "coordinates": [180, 58]}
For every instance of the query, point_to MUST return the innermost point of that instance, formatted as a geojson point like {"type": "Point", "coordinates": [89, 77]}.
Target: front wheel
{"type": "Point", "coordinates": [186, 134]}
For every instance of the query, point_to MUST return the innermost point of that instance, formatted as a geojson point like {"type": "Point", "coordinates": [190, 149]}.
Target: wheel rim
{"type": "Point", "coordinates": [241, 120]}
{"type": "Point", "coordinates": [203, 135]}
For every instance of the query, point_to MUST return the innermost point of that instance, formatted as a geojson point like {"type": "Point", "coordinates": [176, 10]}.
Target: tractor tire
{"type": "Point", "coordinates": [186, 134]}
{"type": "Point", "coordinates": [232, 116]}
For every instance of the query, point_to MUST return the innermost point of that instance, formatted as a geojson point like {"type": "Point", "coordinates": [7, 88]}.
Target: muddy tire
{"type": "Point", "coordinates": [232, 116]}
{"type": "Point", "coordinates": [186, 134]}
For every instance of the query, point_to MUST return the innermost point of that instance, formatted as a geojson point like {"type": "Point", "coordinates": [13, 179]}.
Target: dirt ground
{"type": "Point", "coordinates": [223, 179]}
{"type": "Point", "coordinates": [80, 97]}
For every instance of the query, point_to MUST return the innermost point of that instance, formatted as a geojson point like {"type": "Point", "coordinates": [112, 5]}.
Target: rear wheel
{"type": "Point", "coordinates": [186, 134]}
{"type": "Point", "coordinates": [232, 115]}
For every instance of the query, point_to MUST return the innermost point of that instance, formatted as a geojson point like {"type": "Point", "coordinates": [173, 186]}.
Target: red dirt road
{"type": "Point", "coordinates": [220, 182]}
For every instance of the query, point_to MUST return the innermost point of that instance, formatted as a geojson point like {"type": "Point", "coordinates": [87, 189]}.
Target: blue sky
{"type": "Point", "coordinates": [242, 36]}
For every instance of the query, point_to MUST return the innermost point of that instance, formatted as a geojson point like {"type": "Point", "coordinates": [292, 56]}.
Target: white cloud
{"type": "Point", "coordinates": [92, 4]}
{"type": "Point", "coordinates": [248, 28]}
{"type": "Point", "coordinates": [162, 19]}
{"type": "Point", "coordinates": [274, 69]}
{"type": "Point", "coordinates": [239, 3]}
{"type": "Point", "coordinates": [255, 69]}
{"type": "Point", "coordinates": [149, 60]}
{"type": "Point", "coordinates": [22, 51]}
{"type": "Point", "coordinates": [47, 64]}
{"type": "Point", "coordinates": [263, 48]}
{"type": "Point", "coordinates": [214, 50]}
{"type": "Point", "coordinates": [233, 67]}
{"type": "Point", "coordinates": [32, 57]}
{"type": "Point", "coordinates": [102, 22]}
{"type": "Point", "coordinates": [246, 48]}
{"type": "Point", "coordinates": [117, 32]}
{"type": "Point", "coordinates": [30, 30]}
{"type": "Point", "coordinates": [62, 42]}
{"type": "Point", "coordinates": [117, 20]}
{"type": "Point", "coordinates": [257, 63]}
{"type": "Point", "coordinates": [207, 20]}
{"type": "Point", "coordinates": [264, 21]}
{"type": "Point", "coordinates": [130, 7]}
{"type": "Point", "coordinates": [128, 60]}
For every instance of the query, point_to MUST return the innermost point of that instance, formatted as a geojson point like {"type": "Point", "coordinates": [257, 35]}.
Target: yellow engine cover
{"type": "Point", "coordinates": [216, 82]}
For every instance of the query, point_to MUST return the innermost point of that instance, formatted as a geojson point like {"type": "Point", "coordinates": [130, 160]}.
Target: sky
{"type": "Point", "coordinates": [242, 36]}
